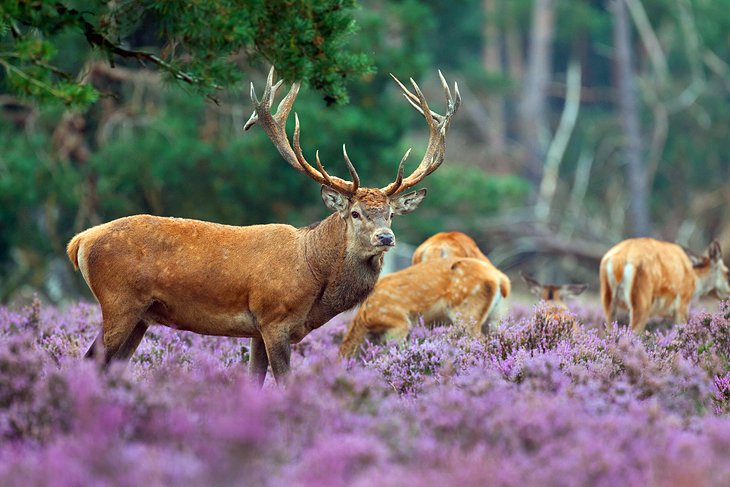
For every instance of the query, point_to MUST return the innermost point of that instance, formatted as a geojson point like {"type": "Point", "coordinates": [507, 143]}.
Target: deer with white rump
{"type": "Point", "coordinates": [649, 277]}
{"type": "Point", "coordinates": [273, 283]}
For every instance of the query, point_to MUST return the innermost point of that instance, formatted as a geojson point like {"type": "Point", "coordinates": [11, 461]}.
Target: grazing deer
{"type": "Point", "coordinates": [444, 245]}
{"type": "Point", "coordinates": [447, 244]}
{"type": "Point", "coordinates": [462, 290]}
{"type": "Point", "coordinates": [649, 277]}
{"type": "Point", "coordinates": [554, 295]}
{"type": "Point", "coordinates": [273, 283]}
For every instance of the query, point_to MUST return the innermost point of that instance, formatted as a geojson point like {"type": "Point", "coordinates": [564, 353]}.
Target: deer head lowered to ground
{"type": "Point", "coordinates": [553, 293]}
{"type": "Point", "coordinates": [444, 245]}
{"type": "Point", "coordinates": [461, 291]}
{"type": "Point", "coordinates": [273, 283]}
{"type": "Point", "coordinates": [554, 296]}
{"type": "Point", "coordinates": [451, 245]}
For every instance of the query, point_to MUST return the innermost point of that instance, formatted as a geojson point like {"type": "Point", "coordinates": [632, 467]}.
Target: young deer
{"type": "Point", "coordinates": [447, 244]}
{"type": "Point", "coordinates": [554, 295]}
{"type": "Point", "coordinates": [461, 290]}
{"type": "Point", "coordinates": [444, 245]}
{"type": "Point", "coordinates": [273, 283]}
{"type": "Point", "coordinates": [650, 277]}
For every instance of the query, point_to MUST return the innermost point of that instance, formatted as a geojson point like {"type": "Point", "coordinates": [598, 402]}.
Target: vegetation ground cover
{"type": "Point", "coordinates": [532, 404]}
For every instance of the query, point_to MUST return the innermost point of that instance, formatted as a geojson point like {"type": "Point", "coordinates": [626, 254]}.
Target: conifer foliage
{"type": "Point", "coordinates": [195, 42]}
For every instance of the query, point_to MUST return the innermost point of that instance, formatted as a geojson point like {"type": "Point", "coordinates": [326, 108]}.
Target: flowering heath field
{"type": "Point", "coordinates": [535, 403]}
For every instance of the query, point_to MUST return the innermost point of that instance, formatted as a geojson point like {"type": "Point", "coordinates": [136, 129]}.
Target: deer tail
{"type": "Point", "coordinates": [505, 286]}
{"type": "Point", "coordinates": [73, 251]}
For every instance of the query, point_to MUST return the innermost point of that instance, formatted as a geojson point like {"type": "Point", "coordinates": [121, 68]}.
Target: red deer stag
{"type": "Point", "coordinates": [463, 291]}
{"type": "Point", "coordinates": [273, 283]}
{"type": "Point", "coordinates": [554, 295]}
{"type": "Point", "coordinates": [649, 277]}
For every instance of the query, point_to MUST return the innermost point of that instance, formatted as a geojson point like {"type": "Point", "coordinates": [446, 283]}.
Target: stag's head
{"type": "Point", "coordinates": [368, 215]}
{"type": "Point", "coordinates": [367, 212]}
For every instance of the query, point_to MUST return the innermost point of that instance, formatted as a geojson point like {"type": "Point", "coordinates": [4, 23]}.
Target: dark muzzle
{"type": "Point", "coordinates": [386, 239]}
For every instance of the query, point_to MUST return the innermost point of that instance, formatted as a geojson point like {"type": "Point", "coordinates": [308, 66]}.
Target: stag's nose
{"type": "Point", "coordinates": [386, 238]}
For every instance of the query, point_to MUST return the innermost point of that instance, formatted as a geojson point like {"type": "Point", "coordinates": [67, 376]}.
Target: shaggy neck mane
{"type": "Point", "coordinates": [346, 277]}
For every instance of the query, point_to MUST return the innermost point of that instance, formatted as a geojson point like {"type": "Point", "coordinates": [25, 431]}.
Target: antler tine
{"type": "Point", "coordinates": [286, 103]}
{"type": "Point", "coordinates": [254, 98]}
{"type": "Point", "coordinates": [318, 176]}
{"type": "Point", "coordinates": [321, 176]}
{"type": "Point", "coordinates": [412, 99]}
{"type": "Point", "coordinates": [453, 102]}
{"type": "Point", "coordinates": [326, 175]}
{"type": "Point", "coordinates": [267, 90]}
{"type": "Point", "coordinates": [437, 125]}
{"type": "Point", "coordinates": [275, 127]}
{"type": "Point", "coordinates": [254, 116]}
{"type": "Point", "coordinates": [395, 185]}
{"type": "Point", "coordinates": [445, 86]}
{"type": "Point", "coordinates": [351, 170]}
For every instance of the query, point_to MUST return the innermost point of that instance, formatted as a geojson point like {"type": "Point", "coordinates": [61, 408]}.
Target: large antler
{"type": "Point", "coordinates": [275, 127]}
{"type": "Point", "coordinates": [437, 125]}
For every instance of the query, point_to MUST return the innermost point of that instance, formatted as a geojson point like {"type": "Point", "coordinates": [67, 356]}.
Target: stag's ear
{"type": "Point", "coordinates": [405, 204]}
{"type": "Point", "coordinates": [714, 252]}
{"type": "Point", "coordinates": [334, 200]}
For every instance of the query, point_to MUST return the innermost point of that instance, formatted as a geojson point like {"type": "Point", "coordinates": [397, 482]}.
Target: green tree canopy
{"type": "Point", "coordinates": [42, 43]}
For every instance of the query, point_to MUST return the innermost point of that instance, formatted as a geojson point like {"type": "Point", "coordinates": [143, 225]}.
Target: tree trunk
{"type": "Point", "coordinates": [629, 113]}
{"type": "Point", "coordinates": [492, 61]}
{"type": "Point", "coordinates": [559, 143]}
{"type": "Point", "coordinates": [533, 106]}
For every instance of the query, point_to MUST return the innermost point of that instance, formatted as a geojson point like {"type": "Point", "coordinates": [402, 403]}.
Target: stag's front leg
{"type": "Point", "coordinates": [258, 361]}
{"type": "Point", "coordinates": [278, 350]}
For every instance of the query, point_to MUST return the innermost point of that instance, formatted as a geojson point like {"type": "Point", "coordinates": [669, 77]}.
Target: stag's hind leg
{"type": "Point", "coordinates": [124, 351]}
{"type": "Point", "coordinates": [258, 361]}
{"type": "Point", "coordinates": [278, 349]}
{"type": "Point", "coordinates": [97, 346]}
{"type": "Point", "coordinates": [132, 342]}
{"type": "Point", "coordinates": [118, 327]}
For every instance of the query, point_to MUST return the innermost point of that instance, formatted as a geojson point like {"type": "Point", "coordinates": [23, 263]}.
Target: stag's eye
{"type": "Point", "coordinates": [355, 215]}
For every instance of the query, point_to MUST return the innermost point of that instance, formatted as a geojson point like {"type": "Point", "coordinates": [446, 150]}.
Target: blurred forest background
{"type": "Point", "coordinates": [583, 121]}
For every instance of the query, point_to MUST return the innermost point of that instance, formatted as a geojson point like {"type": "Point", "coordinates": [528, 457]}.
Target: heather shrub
{"type": "Point", "coordinates": [721, 385]}
{"type": "Point", "coordinates": [541, 331]}
{"type": "Point", "coordinates": [532, 403]}
{"type": "Point", "coordinates": [705, 339]}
